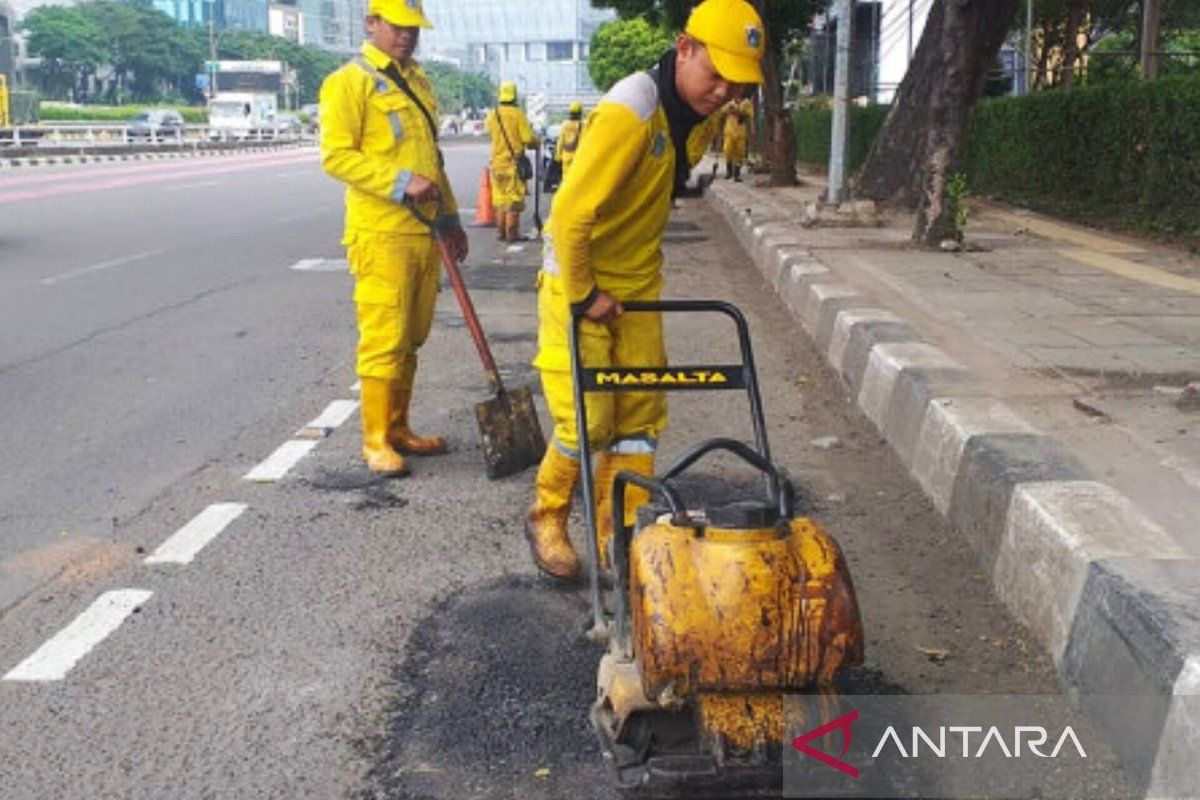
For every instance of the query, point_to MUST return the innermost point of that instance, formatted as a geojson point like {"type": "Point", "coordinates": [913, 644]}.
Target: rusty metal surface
{"type": "Point", "coordinates": [741, 613]}
{"type": "Point", "coordinates": [512, 435]}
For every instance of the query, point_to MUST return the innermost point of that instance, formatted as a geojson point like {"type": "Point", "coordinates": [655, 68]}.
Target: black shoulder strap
{"type": "Point", "coordinates": [504, 133]}
{"type": "Point", "coordinates": [394, 73]}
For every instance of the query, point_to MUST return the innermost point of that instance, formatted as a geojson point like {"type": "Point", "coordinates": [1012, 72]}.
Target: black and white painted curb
{"type": "Point", "coordinates": [1111, 596]}
{"type": "Point", "coordinates": [109, 155]}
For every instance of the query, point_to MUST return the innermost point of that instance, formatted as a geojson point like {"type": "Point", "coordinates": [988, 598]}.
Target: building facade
{"type": "Point", "coordinates": [335, 25]}
{"type": "Point", "coordinates": [541, 45]}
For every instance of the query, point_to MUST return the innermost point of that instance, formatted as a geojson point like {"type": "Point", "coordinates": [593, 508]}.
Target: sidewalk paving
{"type": "Point", "coordinates": [1029, 386]}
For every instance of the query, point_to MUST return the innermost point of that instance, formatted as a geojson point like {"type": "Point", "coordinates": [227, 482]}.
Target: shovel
{"type": "Point", "coordinates": [508, 422]}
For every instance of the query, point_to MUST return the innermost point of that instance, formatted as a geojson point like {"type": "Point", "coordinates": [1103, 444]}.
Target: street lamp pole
{"type": "Point", "coordinates": [212, 49]}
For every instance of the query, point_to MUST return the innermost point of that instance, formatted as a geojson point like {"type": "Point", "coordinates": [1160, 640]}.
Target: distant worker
{"type": "Point", "coordinates": [511, 136]}
{"type": "Point", "coordinates": [568, 137]}
{"type": "Point", "coordinates": [377, 137]}
{"type": "Point", "coordinates": [739, 117]}
{"type": "Point", "coordinates": [604, 248]}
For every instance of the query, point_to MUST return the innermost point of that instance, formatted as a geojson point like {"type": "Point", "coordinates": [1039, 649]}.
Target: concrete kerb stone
{"type": "Point", "coordinates": [1175, 764]}
{"type": "Point", "coordinates": [795, 283]}
{"type": "Point", "coordinates": [951, 422]}
{"type": "Point", "coordinates": [1053, 532]}
{"type": "Point", "coordinates": [884, 365]}
{"type": "Point", "coordinates": [822, 299]}
{"type": "Point", "coordinates": [991, 468]}
{"type": "Point", "coordinates": [862, 338]}
{"type": "Point", "coordinates": [1131, 655]}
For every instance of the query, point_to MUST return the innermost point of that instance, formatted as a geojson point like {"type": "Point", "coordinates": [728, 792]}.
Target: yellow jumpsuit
{"type": "Point", "coordinates": [508, 190]}
{"type": "Point", "coordinates": [375, 139]}
{"type": "Point", "coordinates": [605, 233]}
{"type": "Point", "coordinates": [736, 133]}
{"type": "Point", "coordinates": [568, 143]}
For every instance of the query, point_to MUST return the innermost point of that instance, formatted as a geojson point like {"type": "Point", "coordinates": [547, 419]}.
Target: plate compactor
{"type": "Point", "coordinates": [715, 613]}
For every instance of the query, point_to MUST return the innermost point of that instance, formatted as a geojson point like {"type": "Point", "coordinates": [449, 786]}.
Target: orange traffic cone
{"type": "Point", "coordinates": [485, 215]}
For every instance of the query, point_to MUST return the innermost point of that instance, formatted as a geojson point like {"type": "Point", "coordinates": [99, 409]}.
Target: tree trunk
{"type": "Point", "coordinates": [920, 146]}
{"type": "Point", "coordinates": [1075, 14]}
{"type": "Point", "coordinates": [780, 149]}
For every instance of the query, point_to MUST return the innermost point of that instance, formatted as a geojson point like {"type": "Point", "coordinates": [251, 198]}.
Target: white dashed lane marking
{"type": "Point", "coordinates": [55, 658]}
{"type": "Point", "coordinates": [189, 540]}
{"type": "Point", "coordinates": [334, 414]}
{"type": "Point", "coordinates": [103, 265]}
{"type": "Point", "coordinates": [276, 465]}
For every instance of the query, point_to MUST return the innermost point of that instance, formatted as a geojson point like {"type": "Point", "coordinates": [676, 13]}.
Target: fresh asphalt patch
{"type": "Point", "coordinates": [494, 692]}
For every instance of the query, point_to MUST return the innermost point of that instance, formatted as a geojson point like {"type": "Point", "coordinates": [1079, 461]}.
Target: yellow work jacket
{"type": "Point", "coordinates": [520, 135]}
{"type": "Point", "coordinates": [375, 139]}
{"type": "Point", "coordinates": [739, 117]}
{"type": "Point", "coordinates": [607, 220]}
{"type": "Point", "coordinates": [568, 141]}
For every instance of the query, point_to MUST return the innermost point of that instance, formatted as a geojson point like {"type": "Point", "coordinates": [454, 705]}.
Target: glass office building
{"type": "Point", "coordinates": [542, 45]}
{"type": "Point", "coordinates": [335, 25]}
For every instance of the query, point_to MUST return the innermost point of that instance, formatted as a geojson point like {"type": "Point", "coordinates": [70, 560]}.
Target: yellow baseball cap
{"type": "Point", "coordinates": [733, 33]}
{"type": "Point", "coordinates": [401, 13]}
{"type": "Point", "coordinates": [507, 92]}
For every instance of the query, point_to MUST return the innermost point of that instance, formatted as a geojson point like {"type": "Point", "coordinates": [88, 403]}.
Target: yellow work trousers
{"type": "Point", "coordinates": [508, 190]}
{"type": "Point", "coordinates": [632, 340]}
{"type": "Point", "coordinates": [396, 278]}
{"type": "Point", "coordinates": [735, 147]}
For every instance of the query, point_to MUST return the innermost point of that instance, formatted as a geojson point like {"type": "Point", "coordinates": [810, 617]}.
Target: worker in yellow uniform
{"type": "Point", "coordinates": [604, 248]}
{"type": "Point", "coordinates": [568, 137]}
{"type": "Point", "coordinates": [739, 117]}
{"type": "Point", "coordinates": [378, 137]}
{"type": "Point", "coordinates": [511, 136]}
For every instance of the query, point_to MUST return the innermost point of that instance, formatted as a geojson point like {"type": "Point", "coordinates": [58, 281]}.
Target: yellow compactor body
{"type": "Point", "coordinates": [723, 613]}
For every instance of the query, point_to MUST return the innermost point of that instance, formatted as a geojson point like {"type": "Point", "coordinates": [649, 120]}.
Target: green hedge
{"type": "Point", "coordinates": [1125, 153]}
{"type": "Point", "coordinates": [812, 133]}
{"type": "Point", "coordinates": [63, 113]}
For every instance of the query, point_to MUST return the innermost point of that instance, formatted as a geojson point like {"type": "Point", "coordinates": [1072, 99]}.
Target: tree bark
{"type": "Point", "coordinates": [1075, 13]}
{"type": "Point", "coordinates": [780, 149]}
{"type": "Point", "coordinates": [920, 146]}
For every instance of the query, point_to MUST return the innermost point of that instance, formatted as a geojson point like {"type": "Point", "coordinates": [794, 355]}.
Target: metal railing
{"type": "Point", "coordinates": [119, 134]}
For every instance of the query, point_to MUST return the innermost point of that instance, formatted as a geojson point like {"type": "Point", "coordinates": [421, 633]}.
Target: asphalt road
{"type": "Point", "coordinates": [343, 637]}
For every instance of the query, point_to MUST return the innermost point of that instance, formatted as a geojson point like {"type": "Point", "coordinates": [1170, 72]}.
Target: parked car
{"type": "Point", "coordinates": [160, 123]}
{"type": "Point", "coordinates": [288, 124]}
{"type": "Point", "coordinates": [313, 112]}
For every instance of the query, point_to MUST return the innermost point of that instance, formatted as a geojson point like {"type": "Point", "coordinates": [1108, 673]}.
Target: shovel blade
{"type": "Point", "coordinates": [512, 435]}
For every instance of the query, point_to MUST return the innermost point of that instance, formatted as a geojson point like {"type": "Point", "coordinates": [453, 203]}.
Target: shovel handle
{"type": "Point", "coordinates": [464, 298]}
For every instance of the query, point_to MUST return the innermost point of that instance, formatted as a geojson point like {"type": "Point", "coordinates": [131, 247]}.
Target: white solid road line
{"type": "Point", "coordinates": [195, 185]}
{"type": "Point", "coordinates": [55, 658]}
{"type": "Point", "coordinates": [321, 265]}
{"type": "Point", "coordinates": [334, 414]}
{"type": "Point", "coordinates": [189, 540]}
{"type": "Point", "coordinates": [103, 265]}
{"type": "Point", "coordinates": [276, 465]}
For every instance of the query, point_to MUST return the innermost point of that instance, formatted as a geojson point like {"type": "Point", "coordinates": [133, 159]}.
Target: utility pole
{"type": "Point", "coordinates": [1151, 13]}
{"type": "Point", "coordinates": [841, 104]}
{"type": "Point", "coordinates": [212, 49]}
{"type": "Point", "coordinates": [910, 30]}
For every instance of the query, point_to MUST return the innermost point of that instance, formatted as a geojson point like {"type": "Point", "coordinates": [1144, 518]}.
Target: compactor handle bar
{"type": "Point", "coordinates": [660, 379]}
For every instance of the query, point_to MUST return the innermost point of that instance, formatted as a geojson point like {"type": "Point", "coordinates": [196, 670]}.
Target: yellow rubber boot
{"type": "Point", "coordinates": [607, 466]}
{"type": "Point", "coordinates": [377, 409]}
{"type": "Point", "coordinates": [401, 436]}
{"type": "Point", "coordinates": [546, 522]}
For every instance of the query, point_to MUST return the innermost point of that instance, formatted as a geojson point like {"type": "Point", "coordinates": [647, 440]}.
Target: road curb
{"type": "Point", "coordinates": [79, 157]}
{"type": "Point", "coordinates": [1109, 594]}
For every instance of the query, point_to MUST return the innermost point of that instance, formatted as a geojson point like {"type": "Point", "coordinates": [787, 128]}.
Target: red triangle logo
{"type": "Point", "coordinates": [843, 724]}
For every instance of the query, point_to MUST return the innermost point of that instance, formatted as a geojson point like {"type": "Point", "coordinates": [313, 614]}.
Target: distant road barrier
{"type": "Point", "coordinates": [76, 135]}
